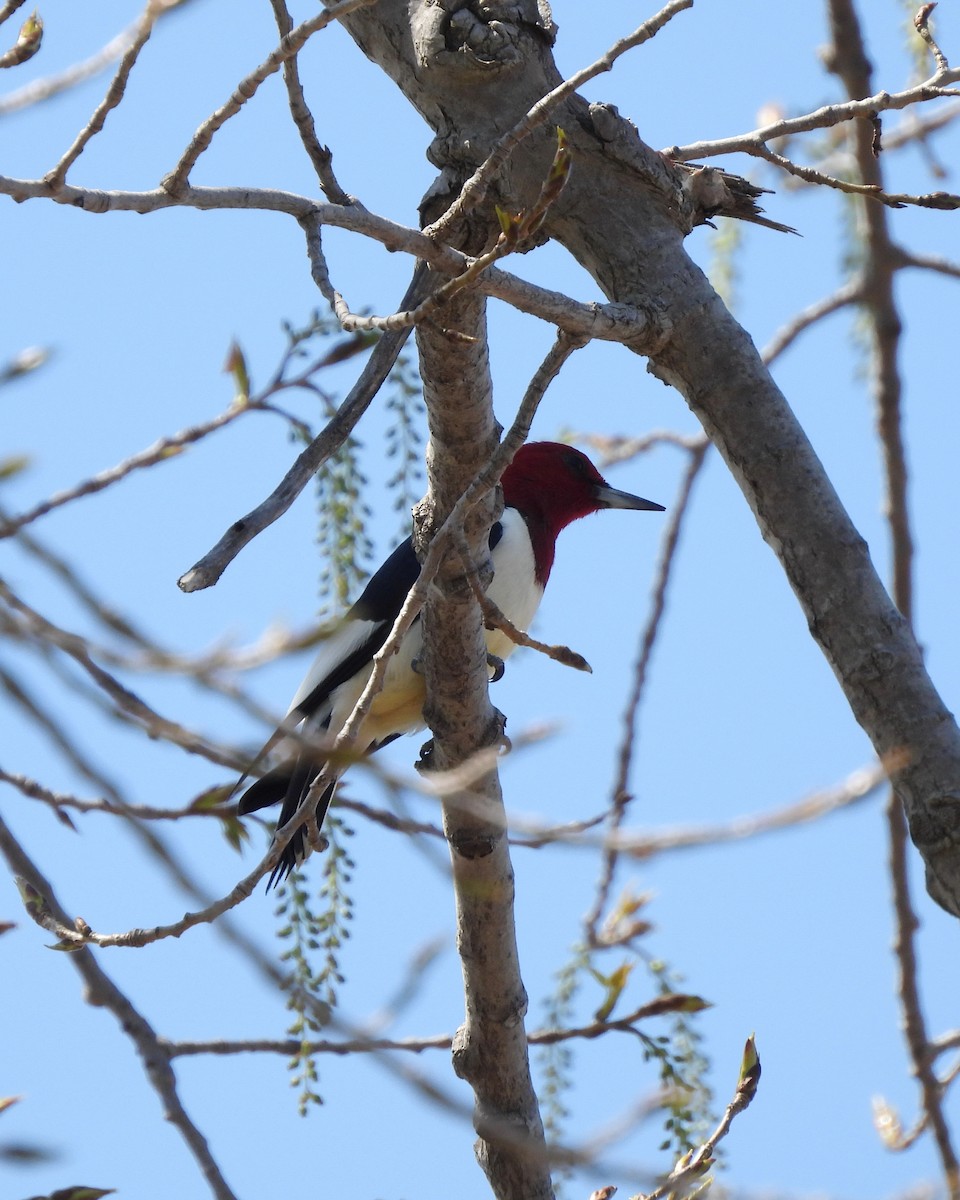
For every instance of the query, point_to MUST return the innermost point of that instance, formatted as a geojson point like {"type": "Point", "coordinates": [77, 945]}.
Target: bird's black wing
{"type": "Point", "coordinates": [377, 608]}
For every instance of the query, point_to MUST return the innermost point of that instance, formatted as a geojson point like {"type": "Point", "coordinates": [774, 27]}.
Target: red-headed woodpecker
{"type": "Point", "coordinates": [547, 486]}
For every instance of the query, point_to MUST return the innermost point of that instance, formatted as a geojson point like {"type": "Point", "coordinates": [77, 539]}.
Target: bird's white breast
{"type": "Point", "coordinates": [514, 589]}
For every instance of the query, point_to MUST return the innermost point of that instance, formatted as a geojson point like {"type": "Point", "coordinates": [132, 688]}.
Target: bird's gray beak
{"type": "Point", "coordinates": [613, 498]}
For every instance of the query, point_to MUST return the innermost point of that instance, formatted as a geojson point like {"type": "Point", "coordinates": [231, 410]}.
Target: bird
{"type": "Point", "coordinates": [547, 486]}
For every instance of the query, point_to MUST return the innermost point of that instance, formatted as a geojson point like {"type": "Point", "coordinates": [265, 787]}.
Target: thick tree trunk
{"type": "Point", "coordinates": [623, 216]}
{"type": "Point", "coordinates": [490, 1049]}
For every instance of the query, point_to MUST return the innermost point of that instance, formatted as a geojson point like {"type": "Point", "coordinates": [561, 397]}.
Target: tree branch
{"type": "Point", "coordinates": [849, 61]}
{"type": "Point", "coordinates": [101, 991]}
{"type": "Point", "coordinates": [207, 570]}
{"type": "Point", "coordinates": [821, 118]}
{"type": "Point", "coordinates": [319, 155]}
{"type": "Point", "coordinates": [490, 1049]}
{"type": "Point", "coordinates": [154, 9]}
{"type": "Point", "coordinates": [290, 44]}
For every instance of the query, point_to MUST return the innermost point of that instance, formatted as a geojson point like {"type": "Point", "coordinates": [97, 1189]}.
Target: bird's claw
{"type": "Point", "coordinates": [496, 667]}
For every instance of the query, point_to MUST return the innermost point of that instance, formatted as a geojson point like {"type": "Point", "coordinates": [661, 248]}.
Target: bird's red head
{"type": "Point", "coordinates": [551, 484]}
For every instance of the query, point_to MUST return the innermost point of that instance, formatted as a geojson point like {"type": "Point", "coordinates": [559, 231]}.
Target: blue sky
{"type": "Point", "coordinates": [788, 935]}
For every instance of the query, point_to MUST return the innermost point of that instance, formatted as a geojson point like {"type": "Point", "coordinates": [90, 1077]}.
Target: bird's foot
{"type": "Point", "coordinates": [501, 732]}
{"type": "Point", "coordinates": [499, 737]}
{"type": "Point", "coordinates": [425, 761]}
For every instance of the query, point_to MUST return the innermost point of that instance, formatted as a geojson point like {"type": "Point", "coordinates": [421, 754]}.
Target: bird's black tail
{"type": "Point", "coordinates": [287, 785]}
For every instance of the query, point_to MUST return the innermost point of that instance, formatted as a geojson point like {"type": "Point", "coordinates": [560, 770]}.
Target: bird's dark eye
{"type": "Point", "coordinates": [574, 462]}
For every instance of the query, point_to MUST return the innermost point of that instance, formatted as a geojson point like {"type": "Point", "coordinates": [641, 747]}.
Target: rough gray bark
{"type": "Point", "coordinates": [490, 1049]}
{"type": "Point", "coordinates": [473, 73]}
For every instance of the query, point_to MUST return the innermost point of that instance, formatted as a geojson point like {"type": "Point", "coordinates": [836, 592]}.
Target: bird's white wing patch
{"type": "Point", "coordinates": [335, 650]}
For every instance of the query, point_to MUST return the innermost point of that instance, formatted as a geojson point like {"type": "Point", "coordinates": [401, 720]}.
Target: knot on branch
{"type": "Point", "coordinates": [481, 35]}
{"type": "Point", "coordinates": [471, 844]}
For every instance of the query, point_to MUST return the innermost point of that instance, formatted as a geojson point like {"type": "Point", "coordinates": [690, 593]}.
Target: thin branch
{"type": "Point", "coordinates": [494, 618]}
{"type": "Point", "coordinates": [660, 1006]}
{"type": "Point", "coordinates": [154, 10]}
{"type": "Point", "coordinates": [102, 992]}
{"type": "Point", "coordinates": [9, 9]}
{"type": "Point", "coordinates": [929, 262]}
{"type": "Point", "coordinates": [940, 200]}
{"type": "Point", "coordinates": [922, 25]}
{"type": "Point", "coordinates": [849, 293]}
{"type": "Point", "coordinates": [643, 330]}
{"type": "Point", "coordinates": [207, 570]}
{"type": "Point", "coordinates": [145, 812]}
{"type": "Point", "coordinates": [692, 1167]}
{"type": "Point", "coordinates": [621, 797]}
{"type": "Point", "coordinates": [850, 62]}
{"type": "Point", "coordinates": [319, 155]}
{"type": "Point", "coordinates": [78, 934]}
{"type": "Point", "coordinates": [822, 118]}
{"type": "Point", "coordinates": [859, 785]}
{"type": "Point", "coordinates": [53, 85]}
{"type": "Point", "coordinates": [163, 449]}
{"type": "Point", "coordinates": [125, 700]}
{"type": "Point", "coordinates": [292, 43]}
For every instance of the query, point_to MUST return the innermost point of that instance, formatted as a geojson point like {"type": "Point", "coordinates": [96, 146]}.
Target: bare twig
{"type": "Point", "coordinates": [929, 262]}
{"type": "Point", "coordinates": [496, 619]}
{"type": "Point", "coordinates": [319, 155]}
{"type": "Point", "coordinates": [9, 9]}
{"type": "Point", "coordinates": [101, 991]}
{"type": "Point", "coordinates": [621, 797]}
{"type": "Point", "coordinates": [941, 200]}
{"type": "Point", "coordinates": [53, 85]}
{"type": "Point", "coordinates": [821, 118]}
{"type": "Point", "coordinates": [164, 448]}
{"type": "Point", "coordinates": [849, 61]}
{"type": "Point", "coordinates": [144, 812]}
{"type": "Point", "coordinates": [845, 295]}
{"type": "Point", "coordinates": [125, 700]}
{"type": "Point", "coordinates": [153, 11]}
{"type": "Point", "coordinates": [641, 329]}
{"type": "Point", "coordinates": [290, 44]}
{"type": "Point", "coordinates": [921, 23]}
{"type": "Point", "coordinates": [207, 570]}
{"type": "Point", "coordinates": [693, 1166]}
{"type": "Point", "coordinates": [661, 1006]}
{"type": "Point", "coordinates": [856, 787]}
